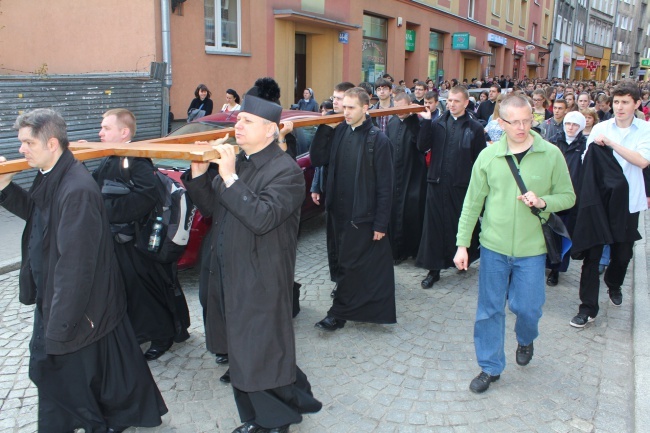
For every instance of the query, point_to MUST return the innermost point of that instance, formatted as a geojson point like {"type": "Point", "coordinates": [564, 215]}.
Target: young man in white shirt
{"type": "Point", "coordinates": [629, 138]}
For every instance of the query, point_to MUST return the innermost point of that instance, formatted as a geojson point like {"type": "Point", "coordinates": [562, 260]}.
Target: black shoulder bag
{"type": "Point", "coordinates": [553, 227]}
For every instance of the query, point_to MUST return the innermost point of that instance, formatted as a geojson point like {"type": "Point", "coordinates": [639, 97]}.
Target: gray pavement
{"type": "Point", "coordinates": [409, 377]}
{"type": "Point", "coordinates": [11, 229]}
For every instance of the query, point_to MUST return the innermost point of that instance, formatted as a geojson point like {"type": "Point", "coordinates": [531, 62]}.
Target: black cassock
{"type": "Point", "coordinates": [455, 145]}
{"type": "Point", "coordinates": [361, 267]}
{"type": "Point", "coordinates": [156, 304]}
{"type": "Point", "coordinates": [249, 282]}
{"type": "Point", "coordinates": [409, 189]}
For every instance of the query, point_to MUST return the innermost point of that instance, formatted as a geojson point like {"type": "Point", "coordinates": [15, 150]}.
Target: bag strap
{"type": "Point", "coordinates": [370, 141]}
{"type": "Point", "coordinates": [520, 182]}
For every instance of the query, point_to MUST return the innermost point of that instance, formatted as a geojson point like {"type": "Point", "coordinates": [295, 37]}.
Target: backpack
{"type": "Point", "coordinates": [177, 211]}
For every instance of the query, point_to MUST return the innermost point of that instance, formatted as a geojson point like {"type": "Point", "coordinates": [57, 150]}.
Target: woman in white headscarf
{"type": "Point", "coordinates": [308, 103]}
{"type": "Point", "coordinates": [572, 144]}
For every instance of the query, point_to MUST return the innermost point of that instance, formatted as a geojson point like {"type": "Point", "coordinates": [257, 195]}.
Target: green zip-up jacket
{"type": "Point", "coordinates": [508, 227]}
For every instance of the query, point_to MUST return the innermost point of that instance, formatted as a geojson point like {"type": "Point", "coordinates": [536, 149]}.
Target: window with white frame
{"type": "Point", "coordinates": [470, 9]}
{"type": "Point", "coordinates": [558, 28]}
{"type": "Point", "coordinates": [223, 25]}
{"type": "Point", "coordinates": [496, 7]}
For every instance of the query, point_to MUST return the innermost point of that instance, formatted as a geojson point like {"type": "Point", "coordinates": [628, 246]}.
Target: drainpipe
{"type": "Point", "coordinates": [167, 59]}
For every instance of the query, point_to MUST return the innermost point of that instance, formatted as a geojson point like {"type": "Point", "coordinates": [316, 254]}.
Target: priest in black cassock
{"type": "Point", "coordinates": [360, 189]}
{"type": "Point", "coordinates": [455, 140]}
{"type": "Point", "coordinates": [84, 358]}
{"type": "Point", "coordinates": [410, 177]}
{"type": "Point", "coordinates": [254, 199]}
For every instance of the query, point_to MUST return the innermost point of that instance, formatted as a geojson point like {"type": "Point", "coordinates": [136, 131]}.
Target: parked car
{"type": "Point", "coordinates": [174, 168]}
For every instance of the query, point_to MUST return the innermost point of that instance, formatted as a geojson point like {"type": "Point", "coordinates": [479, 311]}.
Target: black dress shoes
{"type": "Point", "coordinates": [553, 278]}
{"type": "Point", "coordinates": [330, 324]}
{"type": "Point", "coordinates": [221, 358]}
{"type": "Point", "coordinates": [249, 427]}
{"type": "Point", "coordinates": [433, 276]}
{"type": "Point", "coordinates": [157, 349]}
{"type": "Point", "coordinates": [283, 429]}
{"type": "Point", "coordinates": [226, 377]}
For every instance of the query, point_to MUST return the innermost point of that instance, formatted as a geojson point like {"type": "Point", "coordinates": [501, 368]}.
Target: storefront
{"type": "Point", "coordinates": [472, 63]}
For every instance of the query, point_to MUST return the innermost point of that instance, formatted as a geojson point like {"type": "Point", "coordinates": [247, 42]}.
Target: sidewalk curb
{"type": "Point", "coordinates": [10, 265]}
{"type": "Point", "coordinates": [640, 332]}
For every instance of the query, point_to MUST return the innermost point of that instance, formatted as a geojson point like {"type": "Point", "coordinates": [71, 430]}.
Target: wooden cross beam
{"type": "Point", "coordinates": [182, 146]}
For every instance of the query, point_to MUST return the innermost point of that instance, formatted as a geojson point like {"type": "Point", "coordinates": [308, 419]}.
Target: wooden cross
{"type": "Point", "coordinates": [182, 146]}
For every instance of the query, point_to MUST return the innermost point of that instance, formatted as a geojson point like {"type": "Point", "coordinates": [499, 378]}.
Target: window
{"type": "Point", "coordinates": [523, 13]}
{"type": "Point", "coordinates": [496, 7]}
{"type": "Point", "coordinates": [558, 28]}
{"type": "Point", "coordinates": [510, 10]}
{"type": "Point", "coordinates": [470, 9]}
{"type": "Point", "coordinates": [533, 33]}
{"type": "Point", "coordinates": [225, 16]}
{"type": "Point", "coordinates": [373, 50]}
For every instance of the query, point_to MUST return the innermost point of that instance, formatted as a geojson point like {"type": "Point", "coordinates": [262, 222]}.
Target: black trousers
{"type": "Point", "coordinates": [621, 254]}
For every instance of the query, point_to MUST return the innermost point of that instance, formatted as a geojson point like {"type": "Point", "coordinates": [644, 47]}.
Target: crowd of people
{"type": "Point", "coordinates": [443, 187]}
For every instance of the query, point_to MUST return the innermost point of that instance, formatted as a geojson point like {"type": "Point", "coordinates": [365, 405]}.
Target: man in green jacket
{"type": "Point", "coordinates": [513, 251]}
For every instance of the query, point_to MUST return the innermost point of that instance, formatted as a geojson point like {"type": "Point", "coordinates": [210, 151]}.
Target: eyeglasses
{"type": "Point", "coordinates": [338, 98]}
{"type": "Point", "coordinates": [519, 123]}
{"type": "Point", "coordinates": [538, 100]}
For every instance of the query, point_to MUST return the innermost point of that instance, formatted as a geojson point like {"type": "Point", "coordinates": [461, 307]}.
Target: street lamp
{"type": "Point", "coordinates": [550, 49]}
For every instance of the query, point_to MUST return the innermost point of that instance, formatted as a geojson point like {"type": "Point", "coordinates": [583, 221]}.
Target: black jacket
{"type": "Point", "coordinates": [432, 137]}
{"type": "Point", "coordinates": [373, 186]}
{"type": "Point", "coordinates": [196, 103]}
{"type": "Point", "coordinates": [573, 155]}
{"type": "Point", "coordinates": [82, 298]}
{"type": "Point", "coordinates": [602, 201]}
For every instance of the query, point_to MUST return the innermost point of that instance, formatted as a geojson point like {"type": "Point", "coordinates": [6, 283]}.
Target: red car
{"type": "Point", "coordinates": [174, 168]}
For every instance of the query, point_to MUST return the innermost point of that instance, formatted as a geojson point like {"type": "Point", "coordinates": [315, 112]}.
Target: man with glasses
{"type": "Point", "coordinates": [513, 251]}
{"type": "Point", "coordinates": [419, 92]}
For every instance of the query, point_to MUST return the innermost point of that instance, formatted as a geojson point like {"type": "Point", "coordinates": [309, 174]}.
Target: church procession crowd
{"type": "Point", "coordinates": [463, 180]}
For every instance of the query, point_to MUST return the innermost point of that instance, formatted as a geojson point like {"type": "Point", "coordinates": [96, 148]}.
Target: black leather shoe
{"type": "Point", "coordinates": [552, 279]}
{"type": "Point", "coordinates": [182, 336]}
{"type": "Point", "coordinates": [482, 382]}
{"type": "Point", "coordinates": [433, 276]}
{"type": "Point", "coordinates": [330, 324]}
{"type": "Point", "coordinates": [249, 427]}
{"type": "Point", "coordinates": [221, 358]}
{"type": "Point", "coordinates": [112, 430]}
{"type": "Point", "coordinates": [226, 377]}
{"type": "Point", "coordinates": [524, 354]}
{"type": "Point", "coordinates": [283, 429]}
{"type": "Point", "coordinates": [156, 350]}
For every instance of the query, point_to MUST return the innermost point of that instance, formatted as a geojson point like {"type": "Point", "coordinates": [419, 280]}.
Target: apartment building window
{"type": "Point", "coordinates": [470, 9]}
{"type": "Point", "coordinates": [558, 29]}
{"type": "Point", "coordinates": [533, 33]}
{"type": "Point", "coordinates": [435, 55]}
{"type": "Point", "coordinates": [547, 23]}
{"type": "Point", "coordinates": [373, 51]}
{"type": "Point", "coordinates": [510, 10]}
{"type": "Point", "coordinates": [224, 15]}
{"type": "Point", "coordinates": [523, 14]}
{"type": "Point", "coordinates": [496, 7]}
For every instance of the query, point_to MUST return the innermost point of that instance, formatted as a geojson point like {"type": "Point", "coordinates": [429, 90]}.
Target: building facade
{"type": "Point", "coordinates": [301, 43]}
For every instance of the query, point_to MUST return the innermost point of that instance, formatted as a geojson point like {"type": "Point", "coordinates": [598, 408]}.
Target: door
{"type": "Point", "coordinates": [300, 79]}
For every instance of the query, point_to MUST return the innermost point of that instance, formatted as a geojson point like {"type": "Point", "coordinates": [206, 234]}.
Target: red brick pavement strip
{"type": "Point", "coordinates": [409, 377]}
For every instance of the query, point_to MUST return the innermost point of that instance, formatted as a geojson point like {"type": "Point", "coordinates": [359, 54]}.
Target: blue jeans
{"type": "Point", "coordinates": [518, 280]}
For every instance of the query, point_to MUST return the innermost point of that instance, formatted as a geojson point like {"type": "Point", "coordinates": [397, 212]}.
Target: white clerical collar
{"type": "Point", "coordinates": [44, 172]}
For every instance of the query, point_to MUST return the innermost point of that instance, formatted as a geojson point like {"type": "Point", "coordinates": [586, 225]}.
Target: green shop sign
{"type": "Point", "coordinates": [460, 41]}
{"type": "Point", "coordinates": [410, 40]}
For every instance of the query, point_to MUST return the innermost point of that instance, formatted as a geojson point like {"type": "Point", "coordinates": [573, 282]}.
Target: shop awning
{"type": "Point", "coordinates": [301, 17]}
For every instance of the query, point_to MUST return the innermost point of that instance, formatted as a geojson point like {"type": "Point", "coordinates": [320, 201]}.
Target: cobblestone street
{"type": "Point", "coordinates": [409, 377]}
